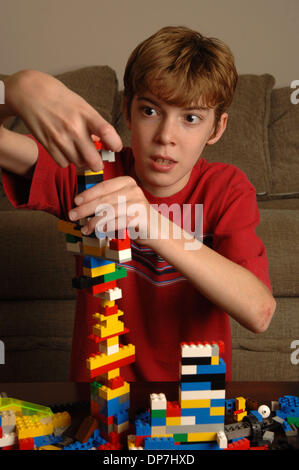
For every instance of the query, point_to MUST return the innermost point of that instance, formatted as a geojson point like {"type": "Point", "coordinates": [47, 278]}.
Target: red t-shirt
{"type": "Point", "coordinates": [161, 307]}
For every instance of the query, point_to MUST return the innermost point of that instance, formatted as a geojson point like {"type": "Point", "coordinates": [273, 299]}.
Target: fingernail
{"type": "Point", "coordinates": [84, 230]}
{"type": "Point", "coordinates": [73, 215]}
{"type": "Point", "coordinates": [78, 200]}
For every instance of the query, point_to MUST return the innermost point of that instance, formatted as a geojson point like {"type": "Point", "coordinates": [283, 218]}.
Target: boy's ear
{"type": "Point", "coordinates": [125, 111]}
{"type": "Point", "coordinates": [220, 129]}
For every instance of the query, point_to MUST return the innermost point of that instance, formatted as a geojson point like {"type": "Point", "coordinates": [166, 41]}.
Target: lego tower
{"type": "Point", "coordinates": [101, 259]}
{"type": "Point", "coordinates": [196, 421]}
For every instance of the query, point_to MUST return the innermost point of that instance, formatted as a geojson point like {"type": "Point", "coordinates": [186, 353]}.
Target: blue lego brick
{"type": "Point", "coordinates": [121, 417]}
{"type": "Point", "coordinates": [218, 402]}
{"type": "Point", "coordinates": [142, 428]}
{"type": "Point", "coordinates": [213, 445]}
{"type": "Point", "coordinates": [230, 404]}
{"type": "Point", "coordinates": [112, 407]}
{"type": "Point", "coordinates": [257, 415]}
{"type": "Point", "coordinates": [158, 421]}
{"type": "Point", "coordinates": [195, 386]}
{"type": "Point", "coordinates": [41, 441]}
{"type": "Point", "coordinates": [158, 443]}
{"type": "Point", "coordinates": [202, 416]}
{"type": "Point", "coordinates": [80, 446]}
{"type": "Point", "coordinates": [84, 187]}
{"type": "Point", "coordinates": [92, 262]}
{"type": "Point", "coordinates": [289, 404]}
{"type": "Point", "coordinates": [212, 369]}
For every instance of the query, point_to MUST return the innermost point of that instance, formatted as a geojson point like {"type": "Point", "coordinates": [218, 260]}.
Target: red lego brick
{"type": "Point", "coordinates": [26, 444]}
{"type": "Point", "coordinates": [96, 339]}
{"type": "Point", "coordinates": [98, 145]}
{"type": "Point", "coordinates": [115, 365]}
{"type": "Point", "coordinates": [173, 409]}
{"type": "Point", "coordinates": [241, 444]}
{"type": "Point", "coordinates": [108, 310]}
{"type": "Point", "coordinates": [98, 289]}
{"type": "Point", "coordinates": [119, 244]}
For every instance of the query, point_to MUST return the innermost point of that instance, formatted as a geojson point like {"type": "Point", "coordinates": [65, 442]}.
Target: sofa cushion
{"type": "Point", "coordinates": [284, 143]}
{"type": "Point", "coordinates": [279, 230]}
{"type": "Point", "coordinates": [245, 141]}
{"type": "Point", "coordinates": [33, 252]}
{"type": "Point", "coordinates": [267, 356]}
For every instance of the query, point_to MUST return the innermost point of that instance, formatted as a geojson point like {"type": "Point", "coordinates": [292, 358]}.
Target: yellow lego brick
{"type": "Point", "coordinates": [240, 403]}
{"type": "Point", "coordinates": [49, 447]}
{"type": "Point", "coordinates": [201, 436]}
{"type": "Point", "coordinates": [173, 421]}
{"type": "Point", "coordinates": [84, 172]}
{"type": "Point", "coordinates": [103, 359]}
{"type": "Point", "coordinates": [68, 227]}
{"type": "Point", "coordinates": [111, 374]}
{"type": "Point", "coordinates": [217, 411]}
{"type": "Point", "coordinates": [112, 341]}
{"type": "Point", "coordinates": [33, 426]}
{"type": "Point", "coordinates": [100, 271]}
{"type": "Point", "coordinates": [108, 394]}
{"type": "Point", "coordinates": [102, 332]}
{"type": "Point", "coordinates": [195, 403]}
{"type": "Point", "coordinates": [214, 360]}
{"type": "Point", "coordinates": [61, 419]}
{"type": "Point", "coordinates": [239, 416]}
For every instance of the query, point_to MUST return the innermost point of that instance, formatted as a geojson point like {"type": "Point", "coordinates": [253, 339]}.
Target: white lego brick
{"type": "Point", "coordinates": [111, 294]}
{"type": "Point", "coordinates": [108, 155]}
{"type": "Point", "coordinates": [201, 394]}
{"type": "Point", "coordinates": [221, 440]}
{"type": "Point", "coordinates": [188, 370]}
{"type": "Point", "coordinates": [8, 439]}
{"type": "Point", "coordinates": [119, 256]}
{"type": "Point", "coordinates": [158, 401]}
{"type": "Point", "coordinates": [196, 350]}
{"type": "Point", "coordinates": [109, 350]}
{"type": "Point", "coordinates": [188, 420]}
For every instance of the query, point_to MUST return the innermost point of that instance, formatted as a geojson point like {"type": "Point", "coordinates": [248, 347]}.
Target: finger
{"type": "Point", "coordinates": [100, 127]}
{"type": "Point", "coordinates": [88, 153]}
{"type": "Point", "coordinates": [102, 189]}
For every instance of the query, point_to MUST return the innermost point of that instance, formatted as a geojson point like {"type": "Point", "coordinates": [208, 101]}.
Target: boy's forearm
{"type": "Point", "coordinates": [18, 153]}
{"type": "Point", "coordinates": [225, 283]}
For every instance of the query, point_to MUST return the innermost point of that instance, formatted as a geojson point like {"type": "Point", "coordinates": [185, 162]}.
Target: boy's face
{"type": "Point", "coordinates": [167, 141]}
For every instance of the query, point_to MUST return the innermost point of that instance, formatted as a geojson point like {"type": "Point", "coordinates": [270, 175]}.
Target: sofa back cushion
{"type": "Point", "coordinates": [284, 143]}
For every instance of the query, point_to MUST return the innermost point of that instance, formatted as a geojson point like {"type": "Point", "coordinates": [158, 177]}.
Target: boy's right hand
{"type": "Point", "coordinates": [61, 120]}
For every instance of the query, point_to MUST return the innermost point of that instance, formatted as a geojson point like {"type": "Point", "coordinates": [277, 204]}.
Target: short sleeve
{"type": "Point", "coordinates": [51, 188]}
{"type": "Point", "coordinates": [235, 232]}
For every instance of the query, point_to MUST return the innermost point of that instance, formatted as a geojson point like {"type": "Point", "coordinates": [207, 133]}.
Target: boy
{"type": "Point", "coordinates": [178, 87]}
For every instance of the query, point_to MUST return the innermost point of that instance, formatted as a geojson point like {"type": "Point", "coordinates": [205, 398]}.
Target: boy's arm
{"type": "Point", "coordinates": [18, 153]}
{"type": "Point", "coordinates": [60, 120]}
{"type": "Point", "coordinates": [225, 283]}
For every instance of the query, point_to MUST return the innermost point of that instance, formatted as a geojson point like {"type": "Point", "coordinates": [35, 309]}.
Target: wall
{"type": "Point", "coordinates": [59, 35]}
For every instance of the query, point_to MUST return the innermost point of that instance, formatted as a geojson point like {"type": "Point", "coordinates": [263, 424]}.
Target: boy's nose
{"type": "Point", "coordinates": [166, 133]}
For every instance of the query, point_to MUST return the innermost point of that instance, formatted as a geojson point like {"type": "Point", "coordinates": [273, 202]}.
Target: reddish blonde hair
{"type": "Point", "coordinates": [182, 67]}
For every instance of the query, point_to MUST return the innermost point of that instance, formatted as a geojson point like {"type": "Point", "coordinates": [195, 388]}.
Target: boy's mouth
{"type": "Point", "coordinates": [162, 163]}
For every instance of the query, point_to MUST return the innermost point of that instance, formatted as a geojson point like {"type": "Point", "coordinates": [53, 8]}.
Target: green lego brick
{"type": "Point", "coordinates": [180, 437]}
{"type": "Point", "coordinates": [158, 413]}
{"type": "Point", "coordinates": [119, 273]}
{"type": "Point", "coordinates": [25, 407]}
{"type": "Point", "coordinates": [71, 238]}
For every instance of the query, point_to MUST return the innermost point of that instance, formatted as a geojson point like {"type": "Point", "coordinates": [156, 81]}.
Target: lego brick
{"type": "Point", "coordinates": [94, 372]}
{"type": "Point", "coordinates": [99, 271]}
{"type": "Point", "coordinates": [202, 436]}
{"type": "Point", "coordinates": [69, 228]}
{"type": "Point", "coordinates": [158, 401]}
{"type": "Point", "coordinates": [106, 289]}
{"type": "Point", "coordinates": [92, 262]}
{"type": "Point", "coordinates": [112, 293]}
{"type": "Point", "coordinates": [86, 429]}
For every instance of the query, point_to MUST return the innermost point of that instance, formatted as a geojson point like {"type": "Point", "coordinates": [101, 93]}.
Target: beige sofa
{"type": "Point", "coordinates": [37, 300]}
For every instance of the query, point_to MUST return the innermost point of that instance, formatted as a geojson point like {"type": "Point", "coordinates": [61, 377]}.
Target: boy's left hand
{"type": "Point", "coordinates": [114, 205]}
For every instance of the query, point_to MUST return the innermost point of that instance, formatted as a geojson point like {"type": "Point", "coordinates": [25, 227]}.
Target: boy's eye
{"type": "Point", "coordinates": [192, 118]}
{"type": "Point", "coordinates": [148, 111]}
